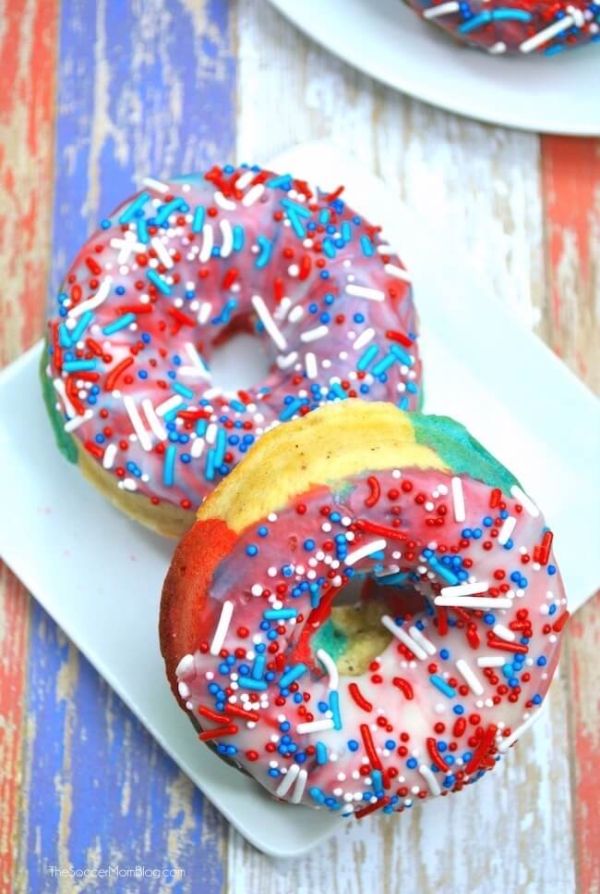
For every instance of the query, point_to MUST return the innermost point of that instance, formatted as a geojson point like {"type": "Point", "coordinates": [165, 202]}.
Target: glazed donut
{"type": "Point", "coordinates": [515, 26]}
{"type": "Point", "coordinates": [172, 274]}
{"type": "Point", "coordinates": [444, 663]}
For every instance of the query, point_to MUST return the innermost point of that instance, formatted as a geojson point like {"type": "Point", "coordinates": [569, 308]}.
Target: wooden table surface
{"type": "Point", "coordinates": [94, 96]}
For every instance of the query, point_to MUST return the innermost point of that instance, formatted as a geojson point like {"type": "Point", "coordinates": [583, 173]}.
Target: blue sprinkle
{"type": "Point", "coordinates": [79, 365]}
{"type": "Point", "coordinates": [132, 210]}
{"type": "Point", "coordinates": [367, 246]}
{"type": "Point", "coordinates": [266, 247]}
{"type": "Point", "coordinates": [443, 687]}
{"type": "Point", "coordinates": [198, 221]}
{"type": "Point", "coordinates": [119, 323]}
{"type": "Point", "coordinates": [161, 284]}
{"type": "Point", "coordinates": [169, 465]}
{"type": "Point", "coordinates": [279, 614]}
{"type": "Point", "coordinates": [334, 704]}
{"type": "Point", "coordinates": [291, 675]}
{"type": "Point", "coordinates": [321, 754]}
{"type": "Point", "coordinates": [182, 390]}
{"type": "Point", "coordinates": [249, 683]}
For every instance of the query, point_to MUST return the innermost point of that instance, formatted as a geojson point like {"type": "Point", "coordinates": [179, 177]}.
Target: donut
{"type": "Point", "coordinates": [439, 665]}
{"type": "Point", "coordinates": [515, 26]}
{"type": "Point", "coordinates": [172, 274]}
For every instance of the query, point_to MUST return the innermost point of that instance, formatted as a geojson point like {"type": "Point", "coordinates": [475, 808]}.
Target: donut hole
{"type": "Point", "coordinates": [238, 362]}
{"type": "Point", "coordinates": [353, 634]}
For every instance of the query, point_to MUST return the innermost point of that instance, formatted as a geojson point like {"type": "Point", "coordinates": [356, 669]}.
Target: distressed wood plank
{"type": "Point", "coordinates": [14, 625]}
{"type": "Point", "coordinates": [27, 49]}
{"type": "Point", "coordinates": [143, 88]}
{"type": "Point", "coordinates": [483, 186]}
{"type": "Point", "coordinates": [110, 796]}
{"type": "Point", "coordinates": [571, 189]}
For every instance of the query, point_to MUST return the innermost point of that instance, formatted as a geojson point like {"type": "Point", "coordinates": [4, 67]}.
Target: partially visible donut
{"type": "Point", "coordinates": [173, 273]}
{"type": "Point", "coordinates": [515, 26]}
{"type": "Point", "coordinates": [443, 665]}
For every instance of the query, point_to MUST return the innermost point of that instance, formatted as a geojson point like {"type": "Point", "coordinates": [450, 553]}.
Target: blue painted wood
{"type": "Point", "coordinates": [143, 88]}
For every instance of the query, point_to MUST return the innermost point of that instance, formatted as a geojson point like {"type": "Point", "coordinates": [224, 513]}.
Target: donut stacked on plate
{"type": "Point", "coordinates": [174, 272]}
{"type": "Point", "coordinates": [441, 666]}
{"type": "Point", "coordinates": [310, 492]}
{"type": "Point", "coordinates": [515, 26]}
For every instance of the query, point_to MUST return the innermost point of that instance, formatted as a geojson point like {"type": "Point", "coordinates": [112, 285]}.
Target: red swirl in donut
{"type": "Point", "coordinates": [516, 26]}
{"type": "Point", "coordinates": [171, 275]}
{"type": "Point", "coordinates": [465, 601]}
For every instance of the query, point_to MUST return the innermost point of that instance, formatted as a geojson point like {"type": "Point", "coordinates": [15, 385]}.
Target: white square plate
{"type": "Point", "coordinates": [100, 575]}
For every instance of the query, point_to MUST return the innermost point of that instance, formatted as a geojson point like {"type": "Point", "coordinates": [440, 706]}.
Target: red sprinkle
{"type": "Point", "coordinates": [374, 491]}
{"type": "Point", "coordinates": [359, 698]}
{"type": "Point", "coordinates": [404, 687]}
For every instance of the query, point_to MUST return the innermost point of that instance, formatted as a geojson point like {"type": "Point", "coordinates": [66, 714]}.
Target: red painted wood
{"type": "Point", "coordinates": [27, 90]}
{"type": "Point", "coordinates": [27, 82]}
{"type": "Point", "coordinates": [571, 192]}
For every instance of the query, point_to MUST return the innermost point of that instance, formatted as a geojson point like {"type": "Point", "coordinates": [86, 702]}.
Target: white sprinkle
{"type": "Point", "coordinates": [422, 640]}
{"type": "Point", "coordinates": [136, 421]}
{"type": "Point", "coordinates": [208, 240]}
{"type": "Point", "coordinates": [504, 633]}
{"type": "Point", "coordinates": [211, 433]}
{"type": "Point", "coordinates": [227, 234]}
{"type": "Point", "coordinates": [458, 500]}
{"type": "Point", "coordinates": [109, 456]}
{"type": "Point", "coordinates": [185, 666]}
{"type": "Point", "coordinates": [525, 501]}
{"type": "Point", "coordinates": [95, 301]}
{"type": "Point", "coordinates": [268, 322]}
{"type": "Point", "coordinates": [314, 334]}
{"type": "Point", "coordinates": [547, 34]}
{"type": "Point", "coordinates": [470, 676]}
{"type": "Point", "coordinates": [296, 313]}
{"type": "Point", "coordinates": [299, 788]}
{"type": "Point", "coordinates": [197, 447]}
{"type": "Point", "coordinates": [443, 9]}
{"type": "Point", "coordinates": [156, 185]}
{"type": "Point", "coordinates": [126, 246]}
{"type": "Point", "coordinates": [363, 339]}
{"type": "Point", "coordinates": [315, 726]}
{"type": "Point", "coordinates": [76, 421]}
{"type": "Point", "coordinates": [60, 387]}
{"type": "Point", "coordinates": [481, 586]}
{"type": "Point", "coordinates": [167, 405]}
{"type": "Point", "coordinates": [505, 744]}
{"type": "Point", "coordinates": [506, 530]}
{"type": "Point", "coordinates": [310, 362]}
{"type": "Point", "coordinates": [244, 179]}
{"type": "Point", "coordinates": [253, 195]}
{"type": "Point", "coordinates": [398, 272]}
{"type": "Point", "coordinates": [365, 292]}
{"type": "Point", "coordinates": [288, 360]}
{"type": "Point", "coordinates": [331, 668]}
{"type": "Point", "coordinates": [491, 661]}
{"type": "Point", "coordinates": [473, 602]}
{"type": "Point", "coordinates": [365, 550]}
{"type": "Point", "coordinates": [204, 312]}
{"type": "Point", "coordinates": [427, 774]}
{"type": "Point", "coordinates": [163, 255]}
{"type": "Point", "coordinates": [183, 689]}
{"type": "Point", "coordinates": [287, 781]}
{"type": "Point", "coordinates": [153, 420]}
{"type": "Point", "coordinates": [403, 636]}
{"type": "Point", "coordinates": [224, 202]}
{"type": "Point", "coordinates": [222, 628]}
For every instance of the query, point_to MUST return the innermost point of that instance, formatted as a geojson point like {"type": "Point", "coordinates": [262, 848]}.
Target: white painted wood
{"type": "Point", "coordinates": [511, 832]}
